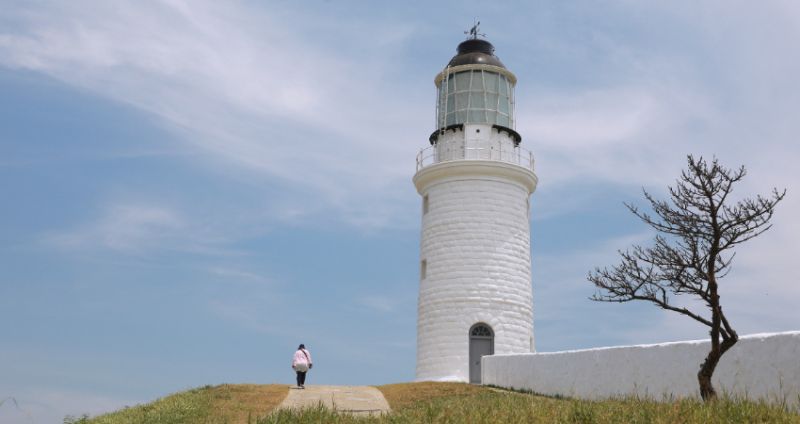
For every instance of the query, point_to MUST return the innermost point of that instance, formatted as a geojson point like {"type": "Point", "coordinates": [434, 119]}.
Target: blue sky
{"type": "Point", "coordinates": [189, 190]}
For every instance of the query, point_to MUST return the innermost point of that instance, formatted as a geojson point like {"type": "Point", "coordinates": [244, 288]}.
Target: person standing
{"type": "Point", "coordinates": [301, 363]}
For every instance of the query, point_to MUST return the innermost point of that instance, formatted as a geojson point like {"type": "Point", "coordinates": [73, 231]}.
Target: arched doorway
{"type": "Point", "coordinates": [481, 343]}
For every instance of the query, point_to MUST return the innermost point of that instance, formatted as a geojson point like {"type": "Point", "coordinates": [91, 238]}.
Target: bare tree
{"type": "Point", "coordinates": [698, 231]}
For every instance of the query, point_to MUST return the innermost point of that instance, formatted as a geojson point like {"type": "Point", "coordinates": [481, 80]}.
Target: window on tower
{"type": "Point", "coordinates": [475, 96]}
{"type": "Point", "coordinates": [425, 204]}
{"type": "Point", "coordinates": [423, 269]}
{"type": "Point", "coordinates": [528, 206]}
{"type": "Point", "coordinates": [481, 330]}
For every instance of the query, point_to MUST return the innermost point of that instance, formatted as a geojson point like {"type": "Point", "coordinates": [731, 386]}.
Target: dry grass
{"type": "Point", "coordinates": [404, 395]}
{"type": "Point", "coordinates": [238, 403]}
{"type": "Point", "coordinates": [440, 403]}
{"type": "Point", "coordinates": [460, 403]}
{"type": "Point", "coordinates": [223, 404]}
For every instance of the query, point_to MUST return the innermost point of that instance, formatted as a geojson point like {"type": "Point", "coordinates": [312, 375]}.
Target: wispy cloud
{"type": "Point", "coordinates": [590, 119]}
{"type": "Point", "coordinates": [123, 228]}
{"type": "Point", "coordinates": [247, 316]}
{"type": "Point", "coordinates": [378, 303]}
{"type": "Point", "coordinates": [726, 86]}
{"type": "Point", "coordinates": [247, 87]}
{"type": "Point", "coordinates": [758, 295]}
{"type": "Point", "coordinates": [634, 134]}
{"type": "Point", "coordinates": [240, 84]}
{"type": "Point", "coordinates": [264, 95]}
{"type": "Point", "coordinates": [141, 228]}
{"type": "Point", "coordinates": [239, 275]}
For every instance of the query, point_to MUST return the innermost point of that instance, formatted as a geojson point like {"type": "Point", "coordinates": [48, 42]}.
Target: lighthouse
{"type": "Point", "coordinates": [475, 180]}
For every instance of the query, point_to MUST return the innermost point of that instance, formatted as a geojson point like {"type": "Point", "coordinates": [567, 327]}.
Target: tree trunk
{"type": "Point", "coordinates": [707, 391]}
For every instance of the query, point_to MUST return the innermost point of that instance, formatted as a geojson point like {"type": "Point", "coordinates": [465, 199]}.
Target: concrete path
{"type": "Point", "coordinates": [358, 400]}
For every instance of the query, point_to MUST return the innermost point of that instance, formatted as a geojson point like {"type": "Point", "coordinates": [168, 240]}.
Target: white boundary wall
{"type": "Point", "coordinates": [759, 366]}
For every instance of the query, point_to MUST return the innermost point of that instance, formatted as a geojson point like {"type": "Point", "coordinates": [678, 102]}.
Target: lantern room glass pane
{"type": "Point", "coordinates": [490, 79]}
{"type": "Point", "coordinates": [475, 96]}
{"type": "Point", "coordinates": [476, 101]}
{"type": "Point", "coordinates": [503, 120]}
{"type": "Point", "coordinates": [504, 104]}
{"type": "Point", "coordinates": [461, 100]}
{"type": "Point", "coordinates": [477, 81]}
{"type": "Point", "coordinates": [503, 86]}
{"type": "Point", "coordinates": [491, 101]}
{"type": "Point", "coordinates": [462, 81]}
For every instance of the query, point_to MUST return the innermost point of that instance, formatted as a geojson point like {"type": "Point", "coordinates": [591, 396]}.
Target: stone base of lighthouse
{"type": "Point", "coordinates": [475, 285]}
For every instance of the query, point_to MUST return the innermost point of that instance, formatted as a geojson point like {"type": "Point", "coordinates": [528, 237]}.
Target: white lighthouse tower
{"type": "Point", "coordinates": [475, 295]}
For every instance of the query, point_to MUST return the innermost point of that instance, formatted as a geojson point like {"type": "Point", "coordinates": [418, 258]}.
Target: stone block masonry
{"type": "Point", "coordinates": [476, 247]}
{"type": "Point", "coordinates": [475, 294]}
{"type": "Point", "coordinates": [759, 366]}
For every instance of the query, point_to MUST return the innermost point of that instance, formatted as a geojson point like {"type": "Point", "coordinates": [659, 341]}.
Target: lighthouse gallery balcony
{"type": "Point", "coordinates": [457, 147]}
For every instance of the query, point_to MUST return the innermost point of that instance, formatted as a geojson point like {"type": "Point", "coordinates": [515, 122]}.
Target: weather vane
{"type": "Point", "coordinates": [473, 32]}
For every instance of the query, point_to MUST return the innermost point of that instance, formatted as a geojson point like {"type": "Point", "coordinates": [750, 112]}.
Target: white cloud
{"type": "Point", "coordinates": [633, 134]}
{"type": "Point", "coordinates": [248, 89]}
{"type": "Point", "coordinates": [589, 119]}
{"type": "Point", "coordinates": [233, 274]}
{"type": "Point", "coordinates": [727, 87]}
{"type": "Point", "coordinates": [377, 303]}
{"type": "Point", "coordinates": [242, 86]}
{"type": "Point", "coordinates": [761, 292]}
{"type": "Point", "coordinates": [759, 295]}
{"type": "Point", "coordinates": [124, 228]}
{"type": "Point", "coordinates": [143, 228]}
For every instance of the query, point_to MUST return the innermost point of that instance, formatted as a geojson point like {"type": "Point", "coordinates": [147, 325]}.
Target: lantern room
{"type": "Point", "coordinates": [475, 88]}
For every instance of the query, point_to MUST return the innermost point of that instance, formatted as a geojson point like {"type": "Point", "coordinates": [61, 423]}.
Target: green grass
{"type": "Point", "coordinates": [505, 408]}
{"type": "Point", "coordinates": [446, 403]}
{"type": "Point", "coordinates": [223, 404]}
{"type": "Point", "coordinates": [461, 403]}
{"type": "Point", "coordinates": [185, 407]}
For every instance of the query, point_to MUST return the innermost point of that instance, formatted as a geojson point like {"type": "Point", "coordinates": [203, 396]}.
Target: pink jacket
{"type": "Point", "coordinates": [300, 358]}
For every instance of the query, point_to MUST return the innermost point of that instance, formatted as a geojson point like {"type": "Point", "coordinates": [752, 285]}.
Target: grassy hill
{"type": "Point", "coordinates": [433, 403]}
{"type": "Point", "coordinates": [226, 403]}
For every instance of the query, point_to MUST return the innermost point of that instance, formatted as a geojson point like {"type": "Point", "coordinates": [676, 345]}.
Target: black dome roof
{"type": "Point", "coordinates": [475, 51]}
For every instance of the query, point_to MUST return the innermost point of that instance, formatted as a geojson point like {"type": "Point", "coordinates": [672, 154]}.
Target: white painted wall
{"type": "Point", "coordinates": [476, 243]}
{"type": "Point", "coordinates": [476, 141]}
{"type": "Point", "coordinates": [765, 366]}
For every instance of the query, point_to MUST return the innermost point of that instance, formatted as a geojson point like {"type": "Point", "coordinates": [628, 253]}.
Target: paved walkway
{"type": "Point", "coordinates": [358, 400]}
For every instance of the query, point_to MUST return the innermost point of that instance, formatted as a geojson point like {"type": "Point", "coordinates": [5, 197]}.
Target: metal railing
{"type": "Point", "coordinates": [433, 155]}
